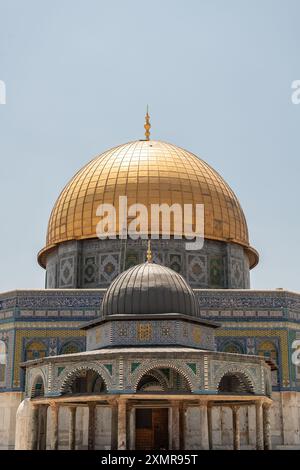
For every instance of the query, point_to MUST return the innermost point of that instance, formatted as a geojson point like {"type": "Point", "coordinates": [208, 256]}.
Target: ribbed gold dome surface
{"type": "Point", "coordinates": [147, 172]}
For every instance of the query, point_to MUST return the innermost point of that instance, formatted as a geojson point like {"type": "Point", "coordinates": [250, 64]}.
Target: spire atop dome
{"type": "Point", "coordinates": [147, 125]}
{"type": "Point", "coordinates": [149, 252]}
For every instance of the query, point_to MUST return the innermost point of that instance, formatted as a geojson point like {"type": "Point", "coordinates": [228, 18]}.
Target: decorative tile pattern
{"type": "Point", "coordinates": [173, 369]}
{"type": "Point", "coordinates": [197, 270]}
{"type": "Point", "coordinates": [216, 272]}
{"type": "Point", "coordinates": [89, 270]}
{"type": "Point", "coordinates": [66, 272]}
{"type": "Point", "coordinates": [109, 267]}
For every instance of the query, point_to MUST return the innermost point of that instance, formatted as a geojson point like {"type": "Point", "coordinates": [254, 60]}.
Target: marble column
{"type": "Point", "coordinates": [209, 425]}
{"type": "Point", "coordinates": [182, 425]}
{"type": "Point", "coordinates": [122, 425]}
{"type": "Point", "coordinates": [132, 428]}
{"type": "Point", "coordinates": [54, 411]}
{"type": "Point", "coordinates": [204, 444]}
{"type": "Point", "coordinates": [236, 427]}
{"type": "Point", "coordinates": [34, 428]}
{"type": "Point", "coordinates": [42, 441]}
{"type": "Point", "coordinates": [175, 425]}
{"type": "Point", "coordinates": [259, 426]}
{"type": "Point", "coordinates": [91, 426]}
{"type": "Point", "coordinates": [114, 425]}
{"type": "Point", "coordinates": [72, 427]}
{"type": "Point", "coordinates": [267, 426]}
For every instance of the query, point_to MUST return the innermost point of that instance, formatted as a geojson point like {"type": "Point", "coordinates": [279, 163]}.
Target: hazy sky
{"type": "Point", "coordinates": [217, 76]}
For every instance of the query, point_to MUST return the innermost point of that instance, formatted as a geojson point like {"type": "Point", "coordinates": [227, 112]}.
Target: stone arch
{"type": "Point", "coordinates": [244, 376]}
{"type": "Point", "coordinates": [72, 373]}
{"type": "Point", "coordinates": [158, 376]}
{"type": "Point", "coordinates": [147, 366]}
{"type": "Point", "coordinates": [234, 383]}
{"type": "Point", "coordinates": [37, 378]}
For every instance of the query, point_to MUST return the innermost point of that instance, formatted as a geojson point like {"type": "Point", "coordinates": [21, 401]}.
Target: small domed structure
{"type": "Point", "coordinates": [149, 288]}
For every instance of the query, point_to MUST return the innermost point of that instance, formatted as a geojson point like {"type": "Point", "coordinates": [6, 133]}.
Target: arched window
{"type": "Point", "coordinates": [233, 347]}
{"type": "Point", "coordinates": [268, 350]}
{"type": "Point", "coordinates": [38, 389]}
{"type": "Point", "coordinates": [85, 382]}
{"type": "Point", "coordinates": [234, 383]}
{"type": "Point", "coordinates": [150, 383]}
{"type": "Point", "coordinates": [35, 350]}
{"type": "Point", "coordinates": [163, 380]}
{"type": "Point", "coordinates": [70, 348]}
{"type": "Point", "coordinates": [3, 359]}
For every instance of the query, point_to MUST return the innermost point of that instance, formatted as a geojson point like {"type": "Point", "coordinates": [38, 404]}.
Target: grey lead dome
{"type": "Point", "coordinates": [149, 288]}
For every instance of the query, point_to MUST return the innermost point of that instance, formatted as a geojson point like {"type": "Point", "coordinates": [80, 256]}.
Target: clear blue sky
{"type": "Point", "coordinates": [217, 76]}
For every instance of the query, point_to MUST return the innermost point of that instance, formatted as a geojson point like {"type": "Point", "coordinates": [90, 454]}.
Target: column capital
{"type": "Point", "coordinates": [53, 405]}
{"type": "Point", "coordinates": [235, 408]}
{"type": "Point", "coordinates": [267, 405]}
{"type": "Point", "coordinates": [175, 403]}
{"type": "Point", "coordinates": [35, 406]}
{"type": "Point", "coordinates": [203, 403]}
{"type": "Point", "coordinates": [112, 401]}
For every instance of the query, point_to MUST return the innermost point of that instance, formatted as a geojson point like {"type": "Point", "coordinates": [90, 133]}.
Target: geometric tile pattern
{"type": "Point", "coordinates": [122, 370]}
{"type": "Point", "coordinates": [197, 269]}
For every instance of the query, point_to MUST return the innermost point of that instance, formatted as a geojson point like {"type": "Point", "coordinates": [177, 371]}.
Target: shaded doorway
{"type": "Point", "coordinates": [151, 429]}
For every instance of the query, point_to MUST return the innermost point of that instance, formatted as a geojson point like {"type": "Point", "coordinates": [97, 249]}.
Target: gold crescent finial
{"type": "Point", "coordinates": [149, 252]}
{"type": "Point", "coordinates": [147, 125]}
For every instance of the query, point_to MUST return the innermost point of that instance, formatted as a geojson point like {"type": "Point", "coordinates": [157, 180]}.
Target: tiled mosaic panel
{"type": "Point", "coordinates": [98, 262]}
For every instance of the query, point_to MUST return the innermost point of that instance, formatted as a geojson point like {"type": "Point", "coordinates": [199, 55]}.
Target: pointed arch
{"type": "Point", "coordinates": [182, 369]}
{"type": "Point", "coordinates": [70, 375]}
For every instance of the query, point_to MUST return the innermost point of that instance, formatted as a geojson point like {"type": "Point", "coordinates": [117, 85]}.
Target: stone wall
{"type": "Point", "coordinates": [9, 402]}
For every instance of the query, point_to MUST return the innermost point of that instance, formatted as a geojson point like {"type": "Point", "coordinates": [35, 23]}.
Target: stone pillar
{"type": "Point", "coordinates": [34, 428]}
{"type": "Point", "coordinates": [122, 424]}
{"type": "Point", "coordinates": [132, 428]}
{"type": "Point", "coordinates": [114, 425]}
{"type": "Point", "coordinates": [175, 425]}
{"type": "Point", "coordinates": [204, 445]}
{"type": "Point", "coordinates": [209, 425]}
{"type": "Point", "coordinates": [236, 427]}
{"type": "Point", "coordinates": [91, 426]}
{"type": "Point", "coordinates": [54, 410]}
{"type": "Point", "coordinates": [42, 441]}
{"type": "Point", "coordinates": [259, 426]}
{"type": "Point", "coordinates": [72, 427]}
{"type": "Point", "coordinates": [182, 425]}
{"type": "Point", "coordinates": [267, 426]}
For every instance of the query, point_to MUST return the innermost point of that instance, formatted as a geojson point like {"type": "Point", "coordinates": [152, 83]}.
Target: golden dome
{"type": "Point", "coordinates": [147, 172]}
